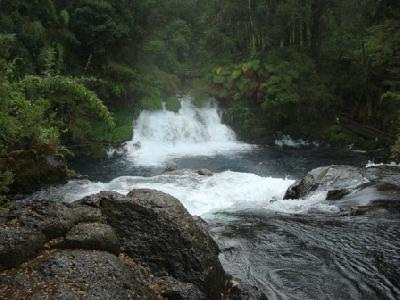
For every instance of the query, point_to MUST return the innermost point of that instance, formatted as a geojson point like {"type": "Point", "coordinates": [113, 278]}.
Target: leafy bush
{"type": "Point", "coordinates": [152, 103]}
{"type": "Point", "coordinates": [337, 136]}
{"type": "Point", "coordinates": [6, 178]}
{"type": "Point", "coordinates": [172, 104]}
{"type": "Point", "coordinates": [395, 149]}
{"type": "Point", "coordinates": [122, 131]}
{"type": "Point", "coordinates": [199, 90]}
{"type": "Point", "coordinates": [282, 87]}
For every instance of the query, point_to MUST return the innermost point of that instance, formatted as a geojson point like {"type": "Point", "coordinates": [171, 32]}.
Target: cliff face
{"type": "Point", "coordinates": [141, 246]}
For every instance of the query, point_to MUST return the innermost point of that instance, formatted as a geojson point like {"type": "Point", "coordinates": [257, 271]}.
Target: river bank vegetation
{"type": "Point", "coordinates": [74, 74]}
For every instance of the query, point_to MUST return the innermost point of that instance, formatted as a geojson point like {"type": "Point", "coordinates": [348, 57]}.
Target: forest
{"type": "Point", "coordinates": [74, 74]}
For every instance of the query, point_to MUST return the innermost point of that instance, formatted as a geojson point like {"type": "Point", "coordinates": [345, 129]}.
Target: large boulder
{"type": "Point", "coordinates": [108, 246]}
{"type": "Point", "coordinates": [331, 178]}
{"type": "Point", "coordinates": [51, 218]}
{"type": "Point", "coordinates": [91, 236]}
{"type": "Point", "coordinates": [34, 168]}
{"type": "Point", "coordinates": [173, 289]}
{"type": "Point", "coordinates": [25, 228]}
{"type": "Point", "coordinates": [155, 229]}
{"type": "Point", "coordinates": [368, 190]}
{"type": "Point", "coordinates": [383, 173]}
{"type": "Point", "coordinates": [77, 274]}
{"type": "Point", "coordinates": [18, 244]}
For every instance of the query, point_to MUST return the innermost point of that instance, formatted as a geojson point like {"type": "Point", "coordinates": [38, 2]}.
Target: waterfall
{"type": "Point", "coordinates": [161, 136]}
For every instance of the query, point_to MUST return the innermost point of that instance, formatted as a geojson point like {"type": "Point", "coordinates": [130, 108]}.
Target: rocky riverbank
{"type": "Point", "coordinates": [369, 190]}
{"type": "Point", "coordinates": [145, 245]}
{"type": "Point", "coordinates": [109, 246]}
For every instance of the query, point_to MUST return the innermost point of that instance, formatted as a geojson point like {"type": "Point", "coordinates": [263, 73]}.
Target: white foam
{"type": "Point", "coordinates": [314, 203]}
{"type": "Point", "coordinates": [287, 141]}
{"type": "Point", "coordinates": [371, 163]}
{"type": "Point", "coordinates": [164, 135]}
{"type": "Point", "coordinates": [203, 195]}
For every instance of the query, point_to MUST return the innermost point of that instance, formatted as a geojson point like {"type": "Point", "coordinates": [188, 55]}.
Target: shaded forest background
{"type": "Point", "coordinates": [73, 74]}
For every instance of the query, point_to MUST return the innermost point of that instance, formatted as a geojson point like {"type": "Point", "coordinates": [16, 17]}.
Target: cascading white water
{"type": "Point", "coordinates": [164, 135]}
{"type": "Point", "coordinates": [202, 195]}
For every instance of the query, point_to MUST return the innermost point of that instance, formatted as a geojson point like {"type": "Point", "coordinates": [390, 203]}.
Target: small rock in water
{"type": "Point", "coordinates": [170, 168]}
{"type": "Point", "coordinates": [326, 179]}
{"type": "Point", "coordinates": [137, 145]}
{"type": "Point", "coordinates": [204, 172]}
{"type": "Point", "coordinates": [337, 194]}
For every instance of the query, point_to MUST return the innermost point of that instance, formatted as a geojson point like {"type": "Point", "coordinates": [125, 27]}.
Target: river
{"type": "Point", "coordinates": [289, 249]}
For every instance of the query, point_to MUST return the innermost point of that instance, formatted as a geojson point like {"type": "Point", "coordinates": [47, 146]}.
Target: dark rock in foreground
{"type": "Point", "coordinates": [171, 243]}
{"type": "Point", "coordinates": [77, 274]}
{"type": "Point", "coordinates": [108, 246]}
{"type": "Point", "coordinates": [175, 289]}
{"type": "Point", "coordinates": [91, 236]}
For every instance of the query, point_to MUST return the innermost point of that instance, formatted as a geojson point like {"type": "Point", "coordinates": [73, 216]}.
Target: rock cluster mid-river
{"type": "Point", "coordinates": [289, 249]}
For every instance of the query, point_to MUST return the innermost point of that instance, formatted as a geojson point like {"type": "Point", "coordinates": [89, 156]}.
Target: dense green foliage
{"type": "Point", "coordinates": [322, 69]}
{"type": "Point", "coordinates": [73, 74]}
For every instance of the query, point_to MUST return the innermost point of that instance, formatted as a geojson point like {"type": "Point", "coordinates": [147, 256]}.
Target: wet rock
{"type": "Point", "coordinates": [137, 145]}
{"type": "Point", "coordinates": [374, 192]}
{"type": "Point", "coordinates": [387, 187]}
{"type": "Point", "coordinates": [361, 191]}
{"type": "Point", "coordinates": [239, 291]}
{"type": "Point", "coordinates": [385, 173]}
{"type": "Point", "coordinates": [34, 168]}
{"type": "Point", "coordinates": [326, 179]}
{"type": "Point", "coordinates": [170, 168]}
{"type": "Point", "coordinates": [173, 289]}
{"type": "Point", "coordinates": [377, 208]}
{"type": "Point", "coordinates": [18, 244]}
{"type": "Point", "coordinates": [67, 251]}
{"type": "Point", "coordinates": [204, 172]}
{"type": "Point", "coordinates": [26, 227]}
{"type": "Point", "coordinates": [51, 218]}
{"type": "Point", "coordinates": [84, 213]}
{"type": "Point", "coordinates": [118, 150]}
{"type": "Point", "coordinates": [155, 229]}
{"type": "Point", "coordinates": [91, 200]}
{"type": "Point", "coordinates": [337, 194]}
{"type": "Point", "coordinates": [58, 291]}
{"type": "Point", "coordinates": [91, 236]}
{"type": "Point", "coordinates": [203, 225]}
{"type": "Point", "coordinates": [77, 274]}
{"type": "Point", "coordinates": [4, 215]}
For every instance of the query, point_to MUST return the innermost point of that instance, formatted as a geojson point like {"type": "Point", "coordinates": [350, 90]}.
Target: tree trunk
{"type": "Point", "coordinates": [317, 10]}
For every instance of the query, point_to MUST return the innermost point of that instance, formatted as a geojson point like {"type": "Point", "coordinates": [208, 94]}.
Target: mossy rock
{"type": "Point", "coordinates": [172, 104]}
{"type": "Point", "coordinates": [33, 169]}
{"type": "Point", "coordinates": [122, 132]}
{"type": "Point", "coordinates": [152, 103]}
{"type": "Point", "coordinates": [336, 135]}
